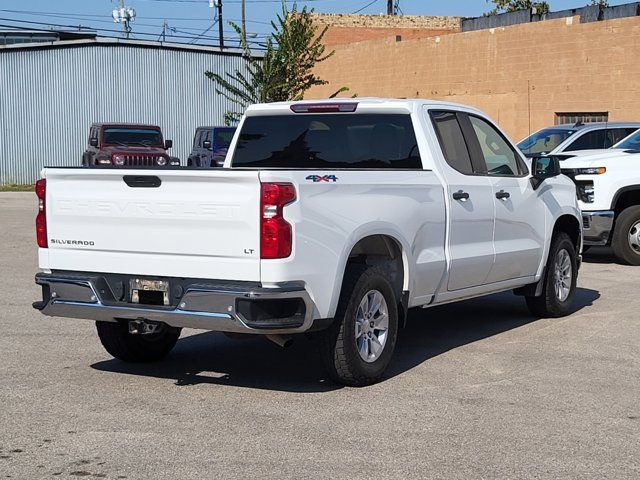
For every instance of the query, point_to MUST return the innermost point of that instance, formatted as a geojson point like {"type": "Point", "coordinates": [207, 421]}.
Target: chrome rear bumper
{"type": "Point", "coordinates": [219, 307]}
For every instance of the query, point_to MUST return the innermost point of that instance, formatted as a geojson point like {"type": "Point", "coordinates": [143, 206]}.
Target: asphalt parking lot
{"type": "Point", "coordinates": [478, 389]}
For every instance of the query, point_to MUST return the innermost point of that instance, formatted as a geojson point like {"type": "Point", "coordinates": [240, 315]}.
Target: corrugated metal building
{"type": "Point", "coordinates": [51, 92]}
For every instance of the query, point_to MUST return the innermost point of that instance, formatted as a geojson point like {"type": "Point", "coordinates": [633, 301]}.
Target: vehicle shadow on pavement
{"type": "Point", "coordinates": [212, 358]}
{"type": "Point", "coordinates": [599, 255]}
{"type": "Point", "coordinates": [434, 331]}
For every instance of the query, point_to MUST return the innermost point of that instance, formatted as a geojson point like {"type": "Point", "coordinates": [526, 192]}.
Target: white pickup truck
{"type": "Point", "coordinates": [331, 218]}
{"type": "Point", "coordinates": [608, 188]}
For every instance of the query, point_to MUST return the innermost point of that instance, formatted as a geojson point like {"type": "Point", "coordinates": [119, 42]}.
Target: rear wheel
{"type": "Point", "coordinates": [626, 236]}
{"type": "Point", "coordinates": [358, 346]}
{"type": "Point", "coordinates": [559, 286]}
{"type": "Point", "coordinates": [117, 340]}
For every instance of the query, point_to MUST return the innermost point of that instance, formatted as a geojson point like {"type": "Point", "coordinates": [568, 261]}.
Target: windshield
{"type": "Point", "coordinates": [223, 137]}
{"type": "Point", "coordinates": [544, 141]}
{"type": "Point", "coordinates": [632, 142]}
{"type": "Point", "coordinates": [132, 136]}
{"type": "Point", "coordinates": [328, 141]}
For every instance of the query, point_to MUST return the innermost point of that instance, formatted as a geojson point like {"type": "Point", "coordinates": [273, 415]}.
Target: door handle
{"type": "Point", "coordinates": [460, 195]}
{"type": "Point", "coordinates": [502, 195]}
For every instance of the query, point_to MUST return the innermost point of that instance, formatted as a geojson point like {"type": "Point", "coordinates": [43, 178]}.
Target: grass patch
{"type": "Point", "coordinates": [16, 188]}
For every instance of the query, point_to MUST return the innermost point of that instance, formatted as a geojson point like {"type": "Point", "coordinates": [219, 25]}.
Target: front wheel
{"type": "Point", "coordinates": [128, 347]}
{"type": "Point", "coordinates": [625, 242]}
{"type": "Point", "coordinates": [560, 280]}
{"type": "Point", "coordinates": [358, 346]}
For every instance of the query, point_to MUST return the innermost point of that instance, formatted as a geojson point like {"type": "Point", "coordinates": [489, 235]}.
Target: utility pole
{"type": "Point", "coordinates": [220, 25]}
{"type": "Point", "coordinates": [218, 3]}
{"type": "Point", "coordinates": [165, 25]}
{"type": "Point", "coordinates": [125, 28]}
{"type": "Point", "coordinates": [389, 7]}
{"type": "Point", "coordinates": [244, 21]}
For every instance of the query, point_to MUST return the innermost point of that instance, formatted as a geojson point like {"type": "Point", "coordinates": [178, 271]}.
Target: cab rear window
{"type": "Point", "coordinates": [328, 141]}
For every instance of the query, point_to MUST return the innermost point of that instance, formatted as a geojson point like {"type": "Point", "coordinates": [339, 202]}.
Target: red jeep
{"type": "Point", "coordinates": [127, 145]}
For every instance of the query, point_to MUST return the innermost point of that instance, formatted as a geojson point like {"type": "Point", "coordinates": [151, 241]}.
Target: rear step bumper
{"type": "Point", "coordinates": [214, 306]}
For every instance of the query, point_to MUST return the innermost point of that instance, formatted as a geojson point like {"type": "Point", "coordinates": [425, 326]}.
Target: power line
{"type": "Point", "coordinates": [187, 30]}
{"type": "Point", "coordinates": [201, 2]}
{"type": "Point", "coordinates": [92, 28]}
{"type": "Point", "coordinates": [366, 6]}
{"type": "Point", "coordinates": [89, 29]}
{"type": "Point", "coordinates": [208, 28]}
{"type": "Point", "coordinates": [90, 16]}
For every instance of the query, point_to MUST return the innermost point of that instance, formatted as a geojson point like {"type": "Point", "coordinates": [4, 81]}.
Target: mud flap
{"type": "Point", "coordinates": [533, 289]}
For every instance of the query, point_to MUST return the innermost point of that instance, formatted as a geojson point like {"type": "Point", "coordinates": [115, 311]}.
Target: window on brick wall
{"type": "Point", "coordinates": [583, 117]}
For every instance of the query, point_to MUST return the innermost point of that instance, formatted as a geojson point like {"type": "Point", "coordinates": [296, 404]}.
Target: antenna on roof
{"type": "Point", "coordinates": [579, 123]}
{"type": "Point", "coordinates": [124, 15]}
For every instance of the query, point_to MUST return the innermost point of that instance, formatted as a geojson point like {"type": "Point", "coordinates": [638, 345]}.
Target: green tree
{"type": "Point", "coordinates": [601, 3]}
{"type": "Point", "coordinates": [502, 6]}
{"type": "Point", "coordinates": [284, 72]}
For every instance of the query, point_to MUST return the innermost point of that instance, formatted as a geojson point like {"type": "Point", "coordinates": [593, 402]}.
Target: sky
{"type": "Point", "coordinates": [191, 21]}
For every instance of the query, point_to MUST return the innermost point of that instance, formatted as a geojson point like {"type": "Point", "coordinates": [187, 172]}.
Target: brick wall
{"type": "Point", "coordinates": [520, 75]}
{"type": "Point", "coordinates": [350, 28]}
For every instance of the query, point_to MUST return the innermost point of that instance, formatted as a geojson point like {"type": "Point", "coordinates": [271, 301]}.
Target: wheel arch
{"type": "Point", "coordinates": [380, 247]}
{"type": "Point", "coordinates": [625, 197]}
{"type": "Point", "coordinates": [570, 225]}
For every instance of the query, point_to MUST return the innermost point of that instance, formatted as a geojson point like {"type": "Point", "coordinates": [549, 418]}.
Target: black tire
{"type": "Point", "coordinates": [338, 346]}
{"type": "Point", "coordinates": [549, 305]}
{"type": "Point", "coordinates": [628, 219]}
{"type": "Point", "coordinates": [117, 340]}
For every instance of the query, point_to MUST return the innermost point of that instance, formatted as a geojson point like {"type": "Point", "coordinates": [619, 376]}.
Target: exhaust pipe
{"type": "Point", "coordinates": [284, 341]}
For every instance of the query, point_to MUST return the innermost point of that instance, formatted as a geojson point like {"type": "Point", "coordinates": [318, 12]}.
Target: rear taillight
{"type": "Point", "coordinates": [275, 231]}
{"type": "Point", "coordinates": [41, 219]}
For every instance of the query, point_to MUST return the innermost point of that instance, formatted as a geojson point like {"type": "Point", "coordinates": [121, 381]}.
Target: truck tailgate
{"type": "Point", "coordinates": [195, 224]}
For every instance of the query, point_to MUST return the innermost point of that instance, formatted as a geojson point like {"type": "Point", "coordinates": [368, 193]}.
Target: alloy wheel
{"type": "Point", "coordinates": [372, 326]}
{"type": "Point", "coordinates": [563, 275]}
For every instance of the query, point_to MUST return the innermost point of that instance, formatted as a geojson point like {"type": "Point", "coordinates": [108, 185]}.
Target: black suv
{"type": "Point", "coordinates": [210, 145]}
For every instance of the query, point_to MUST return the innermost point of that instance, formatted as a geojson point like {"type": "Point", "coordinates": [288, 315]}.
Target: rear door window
{"type": "Point", "coordinates": [617, 134]}
{"type": "Point", "coordinates": [328, 141]}
{"type": "Point", "coordinates": [454, 147]}
{"type": "Point", "coordinates": [593, 140]}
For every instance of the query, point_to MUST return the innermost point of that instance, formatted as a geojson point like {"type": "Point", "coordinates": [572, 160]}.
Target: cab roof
{"type": "Point", "coordinates": [124, 124]}
{"type": "Point", "coordinates": [369, 104]}
{"type": "Point", "coordinates": [594, 125]}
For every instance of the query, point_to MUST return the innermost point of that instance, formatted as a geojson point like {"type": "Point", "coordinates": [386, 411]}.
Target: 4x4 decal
{"type": "Point", "coordinates": [322, 178]}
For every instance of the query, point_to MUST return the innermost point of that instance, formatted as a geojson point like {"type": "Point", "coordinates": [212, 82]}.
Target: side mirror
{"type": "Point", "coordinates": [543, 168]}
{"type": "Point", "coordinates": [93, 142]}
{"type": "Point", "coordinates": [206, 144]}
{"type": "Point", "coordinates": [168, 144]}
